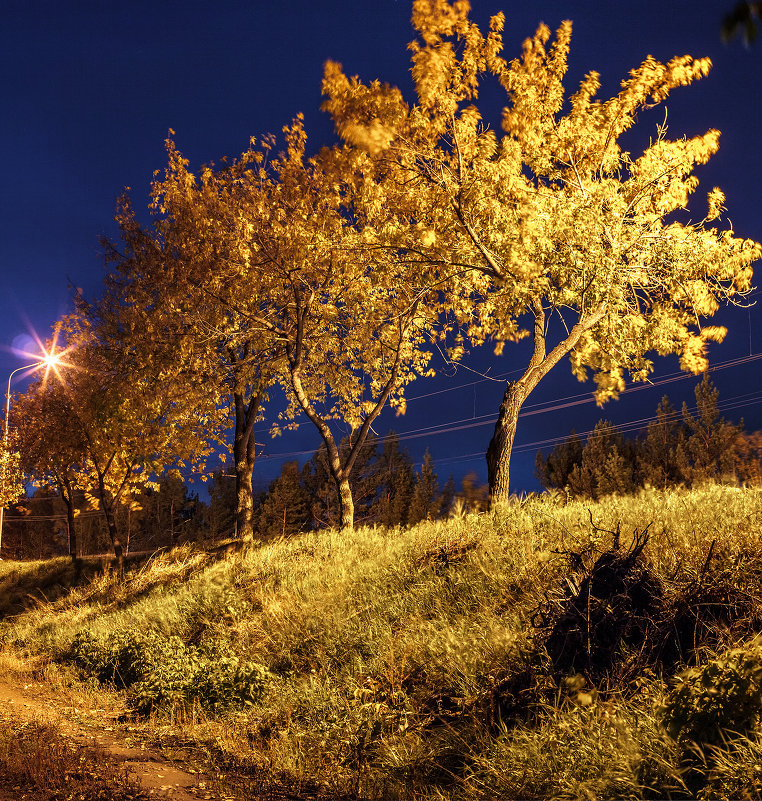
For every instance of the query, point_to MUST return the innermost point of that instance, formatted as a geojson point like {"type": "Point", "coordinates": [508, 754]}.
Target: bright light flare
{"type": "Point", "coordinates": [49, 359]}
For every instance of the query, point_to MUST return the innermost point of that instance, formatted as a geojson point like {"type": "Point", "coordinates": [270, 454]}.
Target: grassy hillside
{"type": "Point", "coordinates": [525, 653]}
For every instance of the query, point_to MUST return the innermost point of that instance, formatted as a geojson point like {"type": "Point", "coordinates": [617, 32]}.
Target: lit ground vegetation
{"type": "Point", "coordinates": [545, 649]}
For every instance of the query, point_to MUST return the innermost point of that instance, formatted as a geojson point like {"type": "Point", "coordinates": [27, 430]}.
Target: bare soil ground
{"type": "Point", "coordinates": [99, 729]}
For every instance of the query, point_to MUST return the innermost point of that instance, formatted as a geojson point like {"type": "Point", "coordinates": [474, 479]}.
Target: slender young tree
{"type": "Point", "coordinates": [120, 421]}
{"type": "Point", "coordinates": [52, 446]}
{"type": "Point", "coordinates": [551, 231]}
{"type": "Point", "coordinates": [352, 318]}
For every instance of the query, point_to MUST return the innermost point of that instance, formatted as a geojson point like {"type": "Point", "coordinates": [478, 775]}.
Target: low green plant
{"type": "Point", "coordinates": [214, 682]}
{"type": "Point", "coordinates": [717, 701]}
{"type": "Point", "coordinates": [162, 671]}
{"type": "Point", "coordinates": [122, 658]}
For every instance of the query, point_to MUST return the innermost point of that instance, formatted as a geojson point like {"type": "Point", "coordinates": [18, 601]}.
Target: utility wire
{"type": "Point", "coordinates": [541, 407]}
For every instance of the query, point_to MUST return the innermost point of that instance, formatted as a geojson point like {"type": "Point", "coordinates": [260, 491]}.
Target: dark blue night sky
{"type": "Point", "coordinates": [92, 87]}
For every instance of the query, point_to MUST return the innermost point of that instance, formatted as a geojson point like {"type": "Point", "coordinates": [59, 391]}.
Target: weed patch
{"type": "Point", "coordinates": [163, 672]}
{"type": "Point", "coordinates": [35, 757]}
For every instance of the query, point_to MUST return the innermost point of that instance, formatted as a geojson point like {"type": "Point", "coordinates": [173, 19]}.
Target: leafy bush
{"type": "Point", "coordinates": [213, 681]}
{"type": "Point", "coordinates": [163, 671]}
{"type": "Point", "coordinates": [712, 703]}
{"type": "Point", "coordinates": [122, 658]}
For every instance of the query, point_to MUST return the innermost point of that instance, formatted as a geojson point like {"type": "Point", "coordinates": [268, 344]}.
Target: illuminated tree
{"type": "Point", "coordinates": [551, 231]}
{"type": "Point", "coordinates": [352, 318]}
{"type": "Point", "coordinates": [110, 424]}
{"type": "Point", "coordinates": [52, 445]}
{"type": "Point", "coordinates": [285, 265]}
{"type": "Point", "coordinates": [11, 475]}
{"type": "Point", "coordinates": [258, 272]}
{"type": "Point", "coordinates": [173, 297]}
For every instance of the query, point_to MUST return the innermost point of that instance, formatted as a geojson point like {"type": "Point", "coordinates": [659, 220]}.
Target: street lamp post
{"type": "Point", "coordinates": [48, 361]}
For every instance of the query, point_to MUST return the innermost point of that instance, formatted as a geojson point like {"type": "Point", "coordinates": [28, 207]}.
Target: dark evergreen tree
{"type": "Point", "coordinates": [708, 451]}
{"type": "Point", "coordinates": [223, 501]}
{"type": "Point", "coordinates": [423, 505]}
{"type": "Point", "coordinates": [657, 450]}
{"type": "Point", "coordinates": [554, 470]}
{"type": "Point", "coordinates": [394, 483]}
{"type": "Point", "coordinates": [160, 514]}
{"type": "Point", "coordinates": [324, 497]}
{"type": "Point", "coordinates": [605, 466]}
{"type": "Point", "coordinates": [285, 508]}
{"type": "Point", "coordinates": [447, 498]}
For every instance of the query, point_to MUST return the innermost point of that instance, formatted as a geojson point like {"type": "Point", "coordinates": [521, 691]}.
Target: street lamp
{"type": "Point", "coordinates": [48, 361]}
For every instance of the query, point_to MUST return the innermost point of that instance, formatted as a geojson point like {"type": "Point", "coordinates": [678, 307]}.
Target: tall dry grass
{"type": "Point", "coordinates": [404, 663]}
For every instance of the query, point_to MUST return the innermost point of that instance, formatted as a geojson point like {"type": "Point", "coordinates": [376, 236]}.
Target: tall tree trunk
{"type": "Point", "coordinates": [346, 501]}
{"type": "Point", "coordinates": [244, 454]}
{"type": "Point", "coordinates": [64, 489]}
{"type": "Point", "coordinates": [501, 444]}
{"type": "Point", "coordinates": [113, 534]}
{"type": "Point", "coordinates": [244, 493]}
{"type": "Point", "coordinates": [107, 507]}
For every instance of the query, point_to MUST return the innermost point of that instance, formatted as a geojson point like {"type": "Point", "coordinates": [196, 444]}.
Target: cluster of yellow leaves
{"type": "Point", "coordinates": [553, 220]}
{"type": "Point", "coordinates": [11, 475]}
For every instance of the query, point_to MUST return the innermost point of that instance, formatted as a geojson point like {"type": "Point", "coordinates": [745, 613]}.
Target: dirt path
{"type": "Point", "coordinates": [157, 776]}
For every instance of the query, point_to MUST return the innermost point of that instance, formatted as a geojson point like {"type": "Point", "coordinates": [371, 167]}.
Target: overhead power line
{"type": "Point", "coordinates": [529, 410]}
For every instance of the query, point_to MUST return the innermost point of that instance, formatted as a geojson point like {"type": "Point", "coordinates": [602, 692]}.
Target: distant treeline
{"type": "Point", "coordinates": [676, 448]}
{"type": "Point", "coordinates": [388, 491]}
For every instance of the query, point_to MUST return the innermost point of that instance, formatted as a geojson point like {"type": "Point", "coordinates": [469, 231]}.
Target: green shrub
{"type": "Point", "coordinates": [214, 682]}
{"type": "Point", "coordinates": [122, 658]}
{"type": "Point", "coordinates": [723, 698]}
{"type": "Point", "coordinates": [163, 671]}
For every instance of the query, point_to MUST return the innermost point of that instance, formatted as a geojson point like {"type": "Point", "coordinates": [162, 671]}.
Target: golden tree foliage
{"type": "Point", "coordinates": [108, 425]}
{"type": "Point", "coordinates": [259, 272]}
{"type": "Point", "coordinates": [11, 475]}
{"type": "Point", "coordinates": [177, 294]}
{"type": "Point", "coordinates": [52, 445]}
{"type": "Point", "coordinates": [551, 230]}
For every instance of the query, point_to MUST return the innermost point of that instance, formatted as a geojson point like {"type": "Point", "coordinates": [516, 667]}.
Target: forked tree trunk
{"type": "Point", "coordinates": [340, 472]}
{"type": "Point", "coordinates": [542, 361]}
